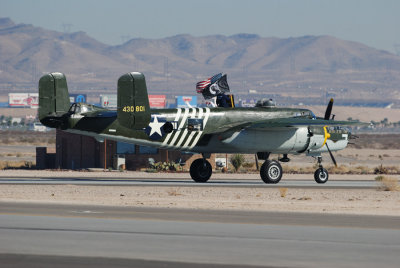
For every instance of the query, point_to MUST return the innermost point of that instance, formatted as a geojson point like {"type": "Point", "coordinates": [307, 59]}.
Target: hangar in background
{"type": "Point", "coordinates": [75, 151]}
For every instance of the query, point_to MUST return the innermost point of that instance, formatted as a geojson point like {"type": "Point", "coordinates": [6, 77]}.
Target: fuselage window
{"type": "Point", "coordinates": [195, 124]}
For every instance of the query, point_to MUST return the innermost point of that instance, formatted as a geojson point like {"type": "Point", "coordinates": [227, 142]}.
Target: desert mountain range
{"type": "Point", "coordinates": [295, 69]}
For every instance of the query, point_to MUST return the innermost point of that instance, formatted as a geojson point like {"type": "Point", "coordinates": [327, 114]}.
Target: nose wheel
{"type": "Point", "coordinates": [321, 174]}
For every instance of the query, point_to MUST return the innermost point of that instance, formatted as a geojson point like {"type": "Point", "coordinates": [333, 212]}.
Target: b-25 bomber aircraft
{"type": "Point", "coordinates": [262, 130]}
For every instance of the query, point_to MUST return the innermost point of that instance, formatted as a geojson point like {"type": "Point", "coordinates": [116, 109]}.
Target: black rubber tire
{"type": "Point", "coordinates": [321, 175]}
{"type": "Point", "coordinates": [271, 171]}
{"type": "Point", "coordinates": [200, 170]}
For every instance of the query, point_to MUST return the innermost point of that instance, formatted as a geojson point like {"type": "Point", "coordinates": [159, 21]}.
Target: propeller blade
{"type": "Point", "coordinates": [330, 153]}
{"type": "Point", "coordinates": [328, 110]}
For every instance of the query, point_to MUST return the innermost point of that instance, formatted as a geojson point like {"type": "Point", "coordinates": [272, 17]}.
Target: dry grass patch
{"type": "Point", "coordinates": [283, 191]}
{"type": "Point", "coordinates": [16, 165]}
{"type": "Point", "coordinates": [344, 169]}
{"type": "Point", "coordinates": [174, 192]}
{"type": "Point", "coordinates": [387, 183]}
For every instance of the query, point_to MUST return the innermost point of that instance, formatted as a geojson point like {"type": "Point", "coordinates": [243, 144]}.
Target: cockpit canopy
{"type": "Point", "coordinates": [81, 108]}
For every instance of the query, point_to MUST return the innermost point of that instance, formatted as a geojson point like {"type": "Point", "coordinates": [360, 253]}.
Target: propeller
{"type": "Point", "coordinates": [330, 153]}
{"type": "Point", "coordinates": [327, 116]}
{"type": "Point", "coordinates": [328, 110]}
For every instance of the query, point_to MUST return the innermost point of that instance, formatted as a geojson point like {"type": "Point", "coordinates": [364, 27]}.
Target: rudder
{"type": "Point", "coordinates": [133, 101]}
{"type": "Point", "coordinates": [53, 98]}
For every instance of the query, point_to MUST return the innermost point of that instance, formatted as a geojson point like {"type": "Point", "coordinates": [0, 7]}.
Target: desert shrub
{"type": "Point", "coordinates": [248, 165]}
{"type": "Point", "coordinates": [237, 161]}
{"type": "Point", "coordinates": [380, 170]}
{"type": "Point", "coordinates": [164, 166]}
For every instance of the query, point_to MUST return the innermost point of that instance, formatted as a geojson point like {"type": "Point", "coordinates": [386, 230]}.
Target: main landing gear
{"type": "Point", "coordinates": [321, 174]}
{"type": "Point", "coordinates": [200, 170]}
{"type": "Point", "coordinates": [271, 171]}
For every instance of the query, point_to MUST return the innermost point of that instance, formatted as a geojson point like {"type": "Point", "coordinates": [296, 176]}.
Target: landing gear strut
{"type": "Point", "coordinates": [200, 170]}
{"type": "Point", "coordinates": [321, 174]}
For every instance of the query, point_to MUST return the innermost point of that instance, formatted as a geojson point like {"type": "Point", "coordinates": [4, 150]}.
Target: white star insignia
{"type": "Point", "coordinates": [155, 126]}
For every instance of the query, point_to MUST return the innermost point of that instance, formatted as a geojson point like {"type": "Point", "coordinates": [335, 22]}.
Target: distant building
{"type": "Point", "coordinates": [110, 101]}
{"type": "Point", "coordinates": [247, 102]}
{"type": "Point", "coordinates": [16, 120]}
{"type": "Point", "coordinates": [77, 98]}
{"type": "Point", "coordinates": [23, 100]}
{"type": "Point", "coordinates": [186, 101]}
{"type": "Point", "coordinates": [37, 126]}
{"type": "Point", "coordinates": [75, 151]}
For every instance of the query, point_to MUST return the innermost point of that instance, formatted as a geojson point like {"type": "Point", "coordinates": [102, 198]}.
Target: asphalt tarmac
{"type": "Point", "coordinates": [334, 184]}
{"type": "Point", "coordinates": [53, 235]}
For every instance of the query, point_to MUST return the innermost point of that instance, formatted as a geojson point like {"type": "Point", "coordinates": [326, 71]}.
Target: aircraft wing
{"type": "Point", "coordinates": [300, 122]}
{"type": "Point", "coordinates": [280, 123]}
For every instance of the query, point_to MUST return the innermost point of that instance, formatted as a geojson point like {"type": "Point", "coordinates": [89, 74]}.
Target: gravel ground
{"type": "Point", "coordinates": [347, 201]}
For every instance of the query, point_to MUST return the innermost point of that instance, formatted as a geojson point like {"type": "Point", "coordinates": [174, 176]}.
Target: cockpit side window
{"type": "Point", "coordinates": [75, 108]}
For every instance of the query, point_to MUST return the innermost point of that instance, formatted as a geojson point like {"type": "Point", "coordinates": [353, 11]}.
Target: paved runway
{"type": "Point", "coordinates": [334, 184]}
{"type": "Point", "coordinates": [96, 236]}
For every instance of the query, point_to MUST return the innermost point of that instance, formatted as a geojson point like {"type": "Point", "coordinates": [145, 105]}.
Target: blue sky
{"type": "Point", "coordinates": [374, 23]}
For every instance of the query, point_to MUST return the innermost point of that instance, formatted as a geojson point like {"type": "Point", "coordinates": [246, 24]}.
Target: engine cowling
{"type": "Point", "coordinates": [318, 137]}
{"type": "Point", "coordinates": [311, 139]}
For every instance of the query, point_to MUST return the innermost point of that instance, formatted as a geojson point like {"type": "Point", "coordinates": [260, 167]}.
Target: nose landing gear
{"type": "Point", "coordinates": [321, 174]}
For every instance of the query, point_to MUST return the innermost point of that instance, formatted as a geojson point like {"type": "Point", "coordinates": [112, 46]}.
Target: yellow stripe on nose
{"type": "Point", "coordinates": [327, 135]}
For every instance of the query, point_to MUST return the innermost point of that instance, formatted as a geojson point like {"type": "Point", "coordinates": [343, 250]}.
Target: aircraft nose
{"type": "Point", "coordinates": [351, 136]}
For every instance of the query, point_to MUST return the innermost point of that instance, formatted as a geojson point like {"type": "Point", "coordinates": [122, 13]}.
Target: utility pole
{"type": "Point", "coordinates": [105, 153]}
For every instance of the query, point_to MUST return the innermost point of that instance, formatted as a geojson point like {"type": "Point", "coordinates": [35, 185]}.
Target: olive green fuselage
{"type": "Point", "coordinates": [208, 130]}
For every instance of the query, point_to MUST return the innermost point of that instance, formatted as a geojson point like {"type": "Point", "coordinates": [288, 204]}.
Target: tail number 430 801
{"type": "Point", "coordinates": [133, 109]}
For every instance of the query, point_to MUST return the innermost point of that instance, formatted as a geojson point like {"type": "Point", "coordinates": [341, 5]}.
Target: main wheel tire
{"type": "Point", "coordinates": [200, 170]}
{"type": "Point", "coordinates": [321, 175]}
{"type": "Point", "coordinates": [271, 171]}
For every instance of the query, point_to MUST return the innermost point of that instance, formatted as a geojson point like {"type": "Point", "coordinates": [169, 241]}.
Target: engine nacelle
{"type": "Point", "coordinates": [311, 139]}
{"type": "Point", "coordinates": [316, 142]}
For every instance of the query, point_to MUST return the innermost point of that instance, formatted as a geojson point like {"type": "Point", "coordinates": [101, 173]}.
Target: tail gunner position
{"type": "Point", "coordinates": [262, 130]}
